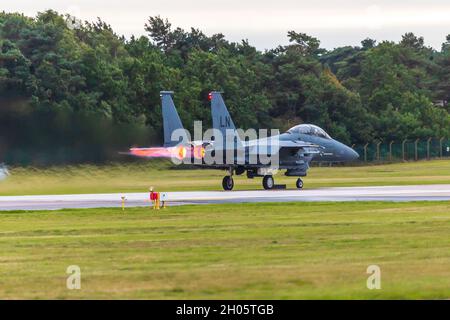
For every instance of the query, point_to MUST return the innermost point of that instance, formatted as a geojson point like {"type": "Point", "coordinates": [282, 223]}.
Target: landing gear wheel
{"type": "Point", "coordinates": [227, 183]}
{"type": "Point", "coordinates": [268, 182]}
{"type": "Point", "coordinates": [299, 183]}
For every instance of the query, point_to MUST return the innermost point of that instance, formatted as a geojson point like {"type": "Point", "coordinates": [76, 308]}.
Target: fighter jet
{"type": "Point", "coordinates": [263, 157]}
{"type": "Point", "coordinates": [296, 148]}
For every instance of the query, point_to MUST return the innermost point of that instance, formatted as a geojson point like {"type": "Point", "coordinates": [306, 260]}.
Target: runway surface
{"type": "Point", "coordinates": [382, 193]}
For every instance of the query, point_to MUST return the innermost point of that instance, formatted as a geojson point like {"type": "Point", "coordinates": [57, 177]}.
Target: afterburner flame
{"type": "Point", "coordinates": [199, 152]}
{"type": "Point", "coordinates": [179, 152]}
{"type": "Point", "coordinates": [160, 152]}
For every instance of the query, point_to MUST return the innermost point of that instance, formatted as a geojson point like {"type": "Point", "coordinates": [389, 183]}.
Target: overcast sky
{"type": "Point", "coordinates": [265, 23]}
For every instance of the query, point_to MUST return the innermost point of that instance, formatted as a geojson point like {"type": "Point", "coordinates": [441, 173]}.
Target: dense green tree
{"type": "Point", "coordinates": [410, 40]}
{"type": "Point", "coordinates": [51, 69]}
{"type": "Point", "coordinates": [441, 82]}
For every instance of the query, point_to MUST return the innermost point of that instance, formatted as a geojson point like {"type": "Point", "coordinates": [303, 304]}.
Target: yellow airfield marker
{"type": "Point", "coordinates": [123, 202]}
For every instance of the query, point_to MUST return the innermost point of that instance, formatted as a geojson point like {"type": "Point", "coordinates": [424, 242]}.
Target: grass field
{"type": "Point", "coordinates": [138, 177]}
{"type": "Point", "coordinates": [257, 251]}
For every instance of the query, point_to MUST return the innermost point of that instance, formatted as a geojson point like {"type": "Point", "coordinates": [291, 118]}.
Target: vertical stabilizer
{"type": "Point", "coordinates": [171, 120]}
{"type": "Point", "coordinates": [222, 120]}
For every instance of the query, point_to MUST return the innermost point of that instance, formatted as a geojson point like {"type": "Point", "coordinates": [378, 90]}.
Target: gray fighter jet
{"type": "Point", "coordinates": [296, 148]}
{"type": "Point", "coordinates": [263, 157]}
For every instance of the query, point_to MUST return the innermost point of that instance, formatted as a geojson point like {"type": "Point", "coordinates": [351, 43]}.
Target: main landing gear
{"type": "Point", "coordinates": [268, 182]}
{"type": "Point", "coordinates": [227, 183]}
{"type": "Point", "coordinates": [299, 183]}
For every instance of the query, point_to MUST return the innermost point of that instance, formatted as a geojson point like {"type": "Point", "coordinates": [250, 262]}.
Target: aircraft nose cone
{"type": "Point", "coordinates": [351, 154]}
{"type": "Point", "coordinates": [346, 153]}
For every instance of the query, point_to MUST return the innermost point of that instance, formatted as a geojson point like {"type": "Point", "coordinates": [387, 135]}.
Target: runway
{"type": "Point", "coordinates": [380, 193]}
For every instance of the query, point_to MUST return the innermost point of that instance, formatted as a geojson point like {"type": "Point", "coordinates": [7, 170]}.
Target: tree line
{"type": "Point", "coordinates": [51, 70]}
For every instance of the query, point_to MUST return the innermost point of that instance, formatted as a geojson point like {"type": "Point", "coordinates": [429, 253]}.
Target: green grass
{"type": "Point", "coordinates": [253, 251]}
{"type": "Point", "coordinates": [138, 177]}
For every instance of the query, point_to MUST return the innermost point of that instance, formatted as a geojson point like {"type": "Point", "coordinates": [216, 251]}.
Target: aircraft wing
{"type": "Point", "coordinates": [282, 143]}
{"type": "Point", "coordinates": [296, 145]}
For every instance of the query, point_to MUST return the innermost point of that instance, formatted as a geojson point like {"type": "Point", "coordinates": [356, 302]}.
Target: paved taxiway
{"type": "Point", "coordinates": [380, 193]}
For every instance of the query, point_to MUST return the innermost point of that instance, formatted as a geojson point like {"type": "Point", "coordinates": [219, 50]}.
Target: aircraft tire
{"type": "Point", "coordinates": [299, 183]}
{"type": "Point", "coordinates": [268, 182]}
{"type": "Point", "coordinates": [227, 183]}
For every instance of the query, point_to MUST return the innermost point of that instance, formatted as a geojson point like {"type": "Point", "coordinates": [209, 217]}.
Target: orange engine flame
{"type": "Point", "coordinates": [181, 152]}
{"type": "Point", "coordinates": [160, 152]}
{"type": "Point", "coordinates": [199, 152]}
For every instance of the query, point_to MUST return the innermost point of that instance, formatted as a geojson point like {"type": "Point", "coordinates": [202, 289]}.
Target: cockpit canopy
{"type": "Point", "coordinates": [309, 129]}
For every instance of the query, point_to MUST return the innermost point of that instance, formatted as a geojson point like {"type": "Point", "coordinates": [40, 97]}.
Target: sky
{"type": "Point", "coordinates": [265, 23]}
